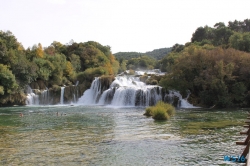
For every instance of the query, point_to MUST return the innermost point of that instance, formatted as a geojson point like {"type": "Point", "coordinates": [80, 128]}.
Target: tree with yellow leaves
{"type": "Point", "coordinates": [69, 69]}
{"type": "Point", "coordinates": [39, 51]}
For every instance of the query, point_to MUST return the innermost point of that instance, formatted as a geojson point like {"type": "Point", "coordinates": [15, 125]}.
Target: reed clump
{"type": "Point", "coordinates": [161, 111]}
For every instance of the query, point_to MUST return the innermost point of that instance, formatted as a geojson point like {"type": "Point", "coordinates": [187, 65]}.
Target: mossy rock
{"type": "Point", "coordinates": [143, 78]}
{"type": "Point", "coordinates": [39, 84]}
{"type": "Point", "coordinates": [106, 81]}
{"type": "Point", "coordinates": [151, 81]}
{"type": "Point", "coordinates": [34, 85]}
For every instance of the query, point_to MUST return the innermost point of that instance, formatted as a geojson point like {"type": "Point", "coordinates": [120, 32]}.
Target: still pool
{"type": "Point", "coordinates": [97, 135]}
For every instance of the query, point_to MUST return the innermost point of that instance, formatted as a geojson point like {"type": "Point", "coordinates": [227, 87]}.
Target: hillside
{"type": "Point", "coordinates": [159, 53]}
{"type": "Point", "coordinates": [156, 54]}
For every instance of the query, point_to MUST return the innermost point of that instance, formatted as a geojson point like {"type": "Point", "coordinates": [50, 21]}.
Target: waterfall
{"type": "Point", "coordinates": [182, 103]}
{"type": "Point", "coordinates": [124, 91]}
{"type": "Point", "coordinates": [62, 95]}
{"type": "Point", "coordinates": [51, 97]}
{"type": "Point", "coordinates": [32, 98]}
{"type": "Point", "coordinates": [44, 98]}
{"type": "Point", "coordinates": [90, 96]}
{"type": "Point", "coordinates": [75, 94]}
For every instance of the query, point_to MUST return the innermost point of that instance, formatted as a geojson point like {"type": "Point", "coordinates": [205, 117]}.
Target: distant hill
{"type": "Point", "coordinates": [159, 53]}
{"type": "Point", "coordinates": [156, 54]}
{"type": "Point", "coordinates": [128, 55]}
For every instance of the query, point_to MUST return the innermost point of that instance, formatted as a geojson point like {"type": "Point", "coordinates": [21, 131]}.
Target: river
{"type": "Point", "coordinates": [103, 135]}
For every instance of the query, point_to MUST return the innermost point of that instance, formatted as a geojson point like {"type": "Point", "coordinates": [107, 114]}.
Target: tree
{"type": "Point", "coordinates": [45, 68]}
{"type": "Point", "coordinates": [39, 51]}
{"type": "Point", "coordinates": [219, 25]}
{"type": "Point", "coordinates": [24, 70]}
{"type": "Point", "coordinates": [199, 35]}
{"type": "Point", "coordinates": [9, 40]}
{"type": "Point", "coordinates": [59, 47]}
{"type": "Point", "coordinates": [75, 61]}
{"type": "Point", "coordinates": [240, 41]}
{"type": "Point", "coordinates": [203, 34]}
{"type": "Point", "coordinates": [7, 80]}
{"type": "Point", "coordinates": [57, 64]}
{"type": "Point", "coordinates": [222, 35]}
{"type": "Point", "coordinates": [69, 69]}
{"type": "Point", "coordinates": [240, 26]}
{"type": "Point", "coordinates": [177, 47]}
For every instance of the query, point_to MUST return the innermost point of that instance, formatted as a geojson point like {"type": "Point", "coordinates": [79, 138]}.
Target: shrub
{"type": "Point", "coordinates": [161, 111]}
{"type": "Point", "coordinates": [148, 111]}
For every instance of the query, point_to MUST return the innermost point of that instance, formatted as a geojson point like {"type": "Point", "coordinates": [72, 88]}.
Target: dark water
{"type": "Point", "coordinates": [95, 135]}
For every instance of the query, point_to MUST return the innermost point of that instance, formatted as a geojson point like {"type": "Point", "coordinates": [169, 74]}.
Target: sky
{"type": "Point", "coordinates": [124, 25]}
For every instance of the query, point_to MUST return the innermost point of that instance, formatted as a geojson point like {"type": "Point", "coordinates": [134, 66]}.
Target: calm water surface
{"type": "Point", "coordinates": [95, 135]}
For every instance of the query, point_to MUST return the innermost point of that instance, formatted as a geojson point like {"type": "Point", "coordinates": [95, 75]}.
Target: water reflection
{"type": "Point", "coordinates": [82, 135]}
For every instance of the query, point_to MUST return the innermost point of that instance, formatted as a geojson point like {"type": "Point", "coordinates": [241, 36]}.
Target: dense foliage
{"type": "Point", "coordinates": [143, 62]}
{"type": "Point", "coordinates": [56, 64]}
{"type": "Point", "coordinates": [214, 66]}
{"type": "Point", "coordinates": [235, 35]}
{"type": "Point", "coordinates": [136, 60]}
{"type": "Point", "coordinates": [158, 54]}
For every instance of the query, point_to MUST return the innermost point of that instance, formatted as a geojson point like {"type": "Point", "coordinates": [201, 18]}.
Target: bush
{"type": "Point", "coordinates": [161, 111]}
{"type": "Point", "coordinates": [148, 111]}
{"type": "Point", "coordinates": [90, 73]}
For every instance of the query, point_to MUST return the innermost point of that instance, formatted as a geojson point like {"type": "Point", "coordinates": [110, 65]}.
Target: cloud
{"type": "Point", "coordinates": [57, 1]}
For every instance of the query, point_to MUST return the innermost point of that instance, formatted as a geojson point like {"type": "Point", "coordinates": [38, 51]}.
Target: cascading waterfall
{"type": "Point", "coordinates": [75, 94]}
{"type": "Point", "coordinates": [182, 103]}
{"type": "Point", "coordinates": [91, 95]}
{"type": "Point", "coordinates": [32, 98]}
{"type": "Point", "coordinates": [51, 97]}
{"type": "Point", "coordinates": [62, 95]}
{"type": "Point", "coordinates": [44, 97]}
{"type": "Point", "coordinates": [124, 91]}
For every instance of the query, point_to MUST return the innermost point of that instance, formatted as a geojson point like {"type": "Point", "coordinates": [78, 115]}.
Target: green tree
{"type": "Point", "coordinates": [240, 41]}
{"type": "Point", "coordinates": [177, 47]}
{"type": "Point", "coordinates": [45, 68]}
{"type": "Point", "coordinates": [24, 70]}
{"type": "Point", "coordinates": [143, 62]}
{"type": "Point", "coordinates": [7, 80]}
{"type": "Point", "coordinates": [75, 61]}
{"type": "Point", "coordinates": [222, 34]}
{"type": "Point", "coordinates": [57, 65]}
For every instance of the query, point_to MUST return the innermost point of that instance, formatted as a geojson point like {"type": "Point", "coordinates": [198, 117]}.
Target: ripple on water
{"type": "Point", "coordinates": [122, 136]}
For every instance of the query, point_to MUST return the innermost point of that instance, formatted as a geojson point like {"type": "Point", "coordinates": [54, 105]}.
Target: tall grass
{"type": "Point", "coordinates": [161, 111]}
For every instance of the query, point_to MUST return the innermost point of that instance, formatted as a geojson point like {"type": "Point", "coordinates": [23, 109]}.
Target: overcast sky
{"type": "Point", "coordinates": [125, 25]}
